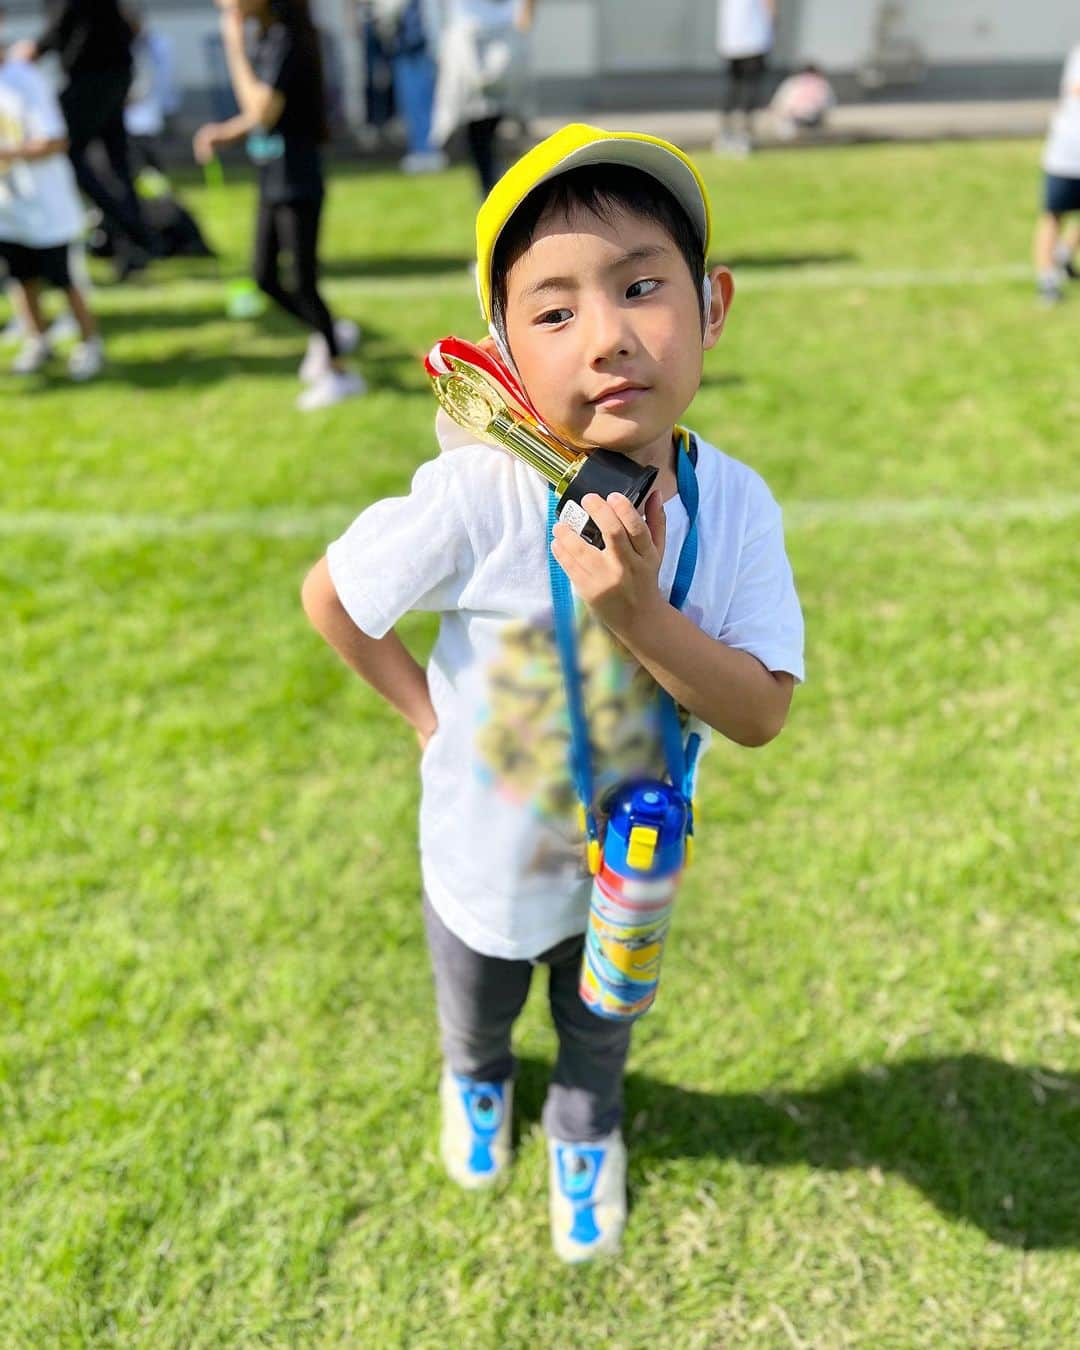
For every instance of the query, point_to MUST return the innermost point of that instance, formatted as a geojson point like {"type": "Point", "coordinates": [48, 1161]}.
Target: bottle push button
{"type": "Point", "coordinates": [641, 847]}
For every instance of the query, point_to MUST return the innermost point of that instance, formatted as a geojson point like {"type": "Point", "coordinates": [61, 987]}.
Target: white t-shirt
{"type": "Point", "coordinates": [1062, 153]}
{"type": "Point", "coordinates": [744, 28]}
{"type": "Point", "coordinates": [39, 203]}
{"type": "Point", "coordinates": [501, 852]}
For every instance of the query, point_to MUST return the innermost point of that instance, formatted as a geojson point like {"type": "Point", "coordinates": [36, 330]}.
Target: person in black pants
{"type": "Point", "coordinates": [93, 42]}
{"type": "Point", "coordinates": [283, 117]}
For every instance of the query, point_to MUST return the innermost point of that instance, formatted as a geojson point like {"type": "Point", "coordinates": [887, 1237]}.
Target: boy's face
{"type": "Point", "coordinates": [604, 325]}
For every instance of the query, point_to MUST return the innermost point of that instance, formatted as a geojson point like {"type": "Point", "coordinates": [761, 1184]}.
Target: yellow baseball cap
{"type": "Point", "coordinates": [570, 148]}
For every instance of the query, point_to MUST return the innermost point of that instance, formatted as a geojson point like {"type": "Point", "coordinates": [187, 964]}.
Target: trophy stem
{"type": "Point", "coordinates": [557, 464]}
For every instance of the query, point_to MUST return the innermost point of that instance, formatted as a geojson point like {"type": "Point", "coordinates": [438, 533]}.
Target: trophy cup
{"type": "Point", "coordinates": [480, 394]}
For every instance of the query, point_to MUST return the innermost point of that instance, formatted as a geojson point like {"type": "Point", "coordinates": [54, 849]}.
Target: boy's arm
{"type": "Point", "coordinates": [40, 148]}
{"type": "Point", "coordinates": [385, 663]}
{"type": "Point", "coordinates": [729, 689]}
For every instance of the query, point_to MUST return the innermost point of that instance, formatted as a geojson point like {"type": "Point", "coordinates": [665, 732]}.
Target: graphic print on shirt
{"type": "Point", "coordinates": [523, 742]}
{"type": "Point", "coordinates": [12, 133]}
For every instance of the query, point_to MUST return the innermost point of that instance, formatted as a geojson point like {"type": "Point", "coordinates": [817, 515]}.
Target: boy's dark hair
{"type": "Point", "coordinates": [603, 190]}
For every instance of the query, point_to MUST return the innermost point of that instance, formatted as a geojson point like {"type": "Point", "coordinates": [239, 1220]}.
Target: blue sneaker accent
{"type": "Point", "coordinates": [485, 1106]}
{"type": "Point", "coordinates": [578, 1168]}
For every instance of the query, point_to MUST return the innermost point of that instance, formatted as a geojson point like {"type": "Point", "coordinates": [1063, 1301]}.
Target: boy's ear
{"type": "Point", "coordinates": [723, 292]}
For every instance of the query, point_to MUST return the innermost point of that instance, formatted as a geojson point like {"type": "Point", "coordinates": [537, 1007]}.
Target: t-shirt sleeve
{"type": "Point", "coordinates": [405, 553]}
{"type": "Point", "coordinates": [276, 59]}
{"type": "Point", "coordinates": [764, 617]}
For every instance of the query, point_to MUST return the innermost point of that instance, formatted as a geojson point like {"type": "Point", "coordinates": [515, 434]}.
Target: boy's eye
{"type": "Point", "coordinates": [639, 288]}
{"type": "Point", "coordinates": [554, 316]}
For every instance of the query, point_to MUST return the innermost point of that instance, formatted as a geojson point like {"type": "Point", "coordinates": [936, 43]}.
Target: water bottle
{"type": "Point", "coordinates": [645, 850]}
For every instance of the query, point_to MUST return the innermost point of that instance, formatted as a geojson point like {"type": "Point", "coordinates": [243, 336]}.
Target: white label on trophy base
{"type": "Point", "coordinates": [574, 515]}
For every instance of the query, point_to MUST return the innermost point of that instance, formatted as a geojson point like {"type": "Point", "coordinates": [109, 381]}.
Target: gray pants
{"type": "Point", "coordinates": [479, 999]}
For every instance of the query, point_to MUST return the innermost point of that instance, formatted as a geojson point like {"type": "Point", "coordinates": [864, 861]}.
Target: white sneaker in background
{"type": "Point", "coordinates": [33, 355]}
{"type": "Point", "coordinates": [333, 387]}
{"type": "Point", "coordinates": [63, 328]}
{"type": "Point", "coordinates": [587, 1185]}
{"type": "Point", "coordinates": [476, 1123]}
{"type": "Point", "coordinates": [12, 332]}
{"type": "Point", "coordinates": [423, 161]}
{"type": "Point", "coordinates": [86, 360]}
{"type": "Point", "coordinates": [316, 360]}
{"type": "Point", "coordinates": [347, 335]}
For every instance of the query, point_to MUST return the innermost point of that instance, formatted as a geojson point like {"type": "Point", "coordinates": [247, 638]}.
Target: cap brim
{"type": "Point", "coordinates": [648, 157]}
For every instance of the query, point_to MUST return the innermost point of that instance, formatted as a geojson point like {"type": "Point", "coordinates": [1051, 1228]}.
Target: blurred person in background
{"type": "Point", "coordinates": [483, 63]}
{"type": "Point", "coordinates": [282, 117]}
{"type": "Point", "coordinates": [802, 102]}
{"type": "Point", "coordinates": [1055, 242]}
{"type": "Point", "coordinates": [152, 99]}
{"type": "Point", "coordinates": [92, 40]}
{"type": "Point", "coordinates": [407, 30]}
{"type": "Point", "coordinates": [40, 217]}
{"type": "Point", "coordinates": [745, 39]}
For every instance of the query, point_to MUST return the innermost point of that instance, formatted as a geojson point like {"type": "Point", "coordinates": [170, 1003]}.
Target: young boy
{"type": "Point", "coordinates": [40, 217]}
{"type": "Point", "coordinates": [591, 266]}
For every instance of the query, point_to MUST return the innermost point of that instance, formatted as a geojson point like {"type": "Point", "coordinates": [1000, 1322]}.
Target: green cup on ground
{"type": "Point", "coordinates": [243, 299]}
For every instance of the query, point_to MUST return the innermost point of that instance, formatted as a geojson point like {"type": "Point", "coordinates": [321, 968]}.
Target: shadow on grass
{"type": "Point", "coordinates": [386, 366]}
{"type": "Point", "coordinates": [996, 1145]}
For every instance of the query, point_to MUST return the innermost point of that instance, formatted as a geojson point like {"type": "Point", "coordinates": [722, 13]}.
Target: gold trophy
{"type": "Point", "coordinates": [480, 394]}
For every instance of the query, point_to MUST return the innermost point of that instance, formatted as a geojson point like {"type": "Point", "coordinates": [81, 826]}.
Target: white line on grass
{"type": "Point", "coordinates": [322, 522]}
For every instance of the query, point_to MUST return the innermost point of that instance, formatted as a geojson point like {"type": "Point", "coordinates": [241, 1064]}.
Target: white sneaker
{"type": "Point", "coordinates": [587, 1186]}
{"type": "Point", "coordinates": [63, 328]}
{"type": "Point", "coordinates": [423, 161]}
{"type": "Point", "coordinates": [476, 1124]}
{"type": "Point", "coordinates": [34, 355]}
{"type": "Point", "coordinates": [86, 360]}
{"type": "Point", "coordinates": [316, 360]}
{"type": "Point", "coordinates": [12, 332]}
{"type": "Point", "coordinates": [333, 387]}
{"type": "Point", "coordinates": [347, 335]}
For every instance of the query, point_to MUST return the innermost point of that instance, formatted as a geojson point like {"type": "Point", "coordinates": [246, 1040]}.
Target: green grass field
{"type": "Point", "coordinates": [854, 1115]}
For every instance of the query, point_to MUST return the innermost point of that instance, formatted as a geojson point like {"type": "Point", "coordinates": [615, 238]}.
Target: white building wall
{"type": "Point", "coordinates": [576, 40]}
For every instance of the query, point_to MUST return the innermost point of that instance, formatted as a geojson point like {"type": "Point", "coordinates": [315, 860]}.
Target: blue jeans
{"type": "Point", "coordinates": [414, 91]}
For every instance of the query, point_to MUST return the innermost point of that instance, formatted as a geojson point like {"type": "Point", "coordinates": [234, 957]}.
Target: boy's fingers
{"type": "Point", "coordinates": [609, 523]}
{"type": "Point", "coordinates": [656, 521]}
{"type": "Point", "coordinates": [571, 551]}
{"type": "Point", "coordinates": [632, 522]}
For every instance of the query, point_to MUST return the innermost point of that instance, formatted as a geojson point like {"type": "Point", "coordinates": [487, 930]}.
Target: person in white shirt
{"type": "Point", "coordinates": [482, 68]}
{"type": "Point", "coordinates": [40, 217]}
{"type": "Point", "coordinates": [591, 263]}
{"type": "Point", "coordinates": [745, 39]}
{"type": "Point", "coordinates": [1055, 241]}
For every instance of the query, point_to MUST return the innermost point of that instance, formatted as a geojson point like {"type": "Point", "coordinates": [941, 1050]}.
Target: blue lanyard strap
{"type": "Point", "coordinates": [680, 760]}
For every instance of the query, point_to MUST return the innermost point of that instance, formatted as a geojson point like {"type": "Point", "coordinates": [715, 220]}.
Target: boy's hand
{"type": "Point", "coordinates": [619, 582]}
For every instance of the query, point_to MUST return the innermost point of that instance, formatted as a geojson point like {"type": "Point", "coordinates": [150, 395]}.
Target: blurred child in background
{"type": "Point", "coordinates": [40, 217]}
{"type": "Point", "coordinates": [802, 102]}
{"type": "Point", "coordinates": [1056, 243]}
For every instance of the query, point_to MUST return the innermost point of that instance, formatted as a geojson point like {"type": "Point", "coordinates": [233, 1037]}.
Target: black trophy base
{"type": "Point", "coordinates": [603, 472]}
